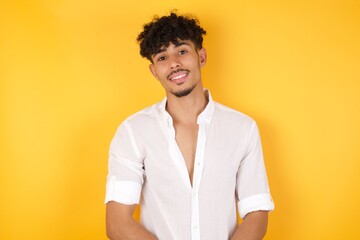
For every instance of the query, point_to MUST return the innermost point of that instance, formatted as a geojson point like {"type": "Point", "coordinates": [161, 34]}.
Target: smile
{"type": "Point", "coordinates": [178, 77]}
{"type": "Point", "coordinates": [180, 74]}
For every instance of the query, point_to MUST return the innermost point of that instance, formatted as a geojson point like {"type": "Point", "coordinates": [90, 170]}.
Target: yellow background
{"type": "Point", "coordinates": [70, 73]}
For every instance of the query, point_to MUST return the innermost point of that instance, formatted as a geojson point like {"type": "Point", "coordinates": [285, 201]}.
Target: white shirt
{"type": "Point", "coordinates": [146, 166]}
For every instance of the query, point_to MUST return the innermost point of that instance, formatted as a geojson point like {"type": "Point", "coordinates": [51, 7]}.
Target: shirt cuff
{"type": "Point", "coordinates": [125, 192]}
{"type": "Point", "coordinates": [255, 203]}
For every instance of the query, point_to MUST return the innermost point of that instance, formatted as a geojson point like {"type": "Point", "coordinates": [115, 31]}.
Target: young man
{"type": "Point", "coordinates": [188, 160]}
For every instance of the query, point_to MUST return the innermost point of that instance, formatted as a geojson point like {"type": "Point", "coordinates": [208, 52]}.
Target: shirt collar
{"type": "Point", "coordinates": [204, 116]}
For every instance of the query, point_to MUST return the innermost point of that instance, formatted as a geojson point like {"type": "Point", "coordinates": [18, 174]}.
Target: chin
{"type": "Point", "coordinates": [184, 92]}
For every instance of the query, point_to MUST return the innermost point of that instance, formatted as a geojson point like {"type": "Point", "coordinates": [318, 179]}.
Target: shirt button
{"type": "Point", "coordinates": [195, 227]}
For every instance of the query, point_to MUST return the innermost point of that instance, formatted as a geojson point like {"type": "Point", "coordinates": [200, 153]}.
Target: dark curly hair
{"type": "Point", "coordinates": [162, 31]}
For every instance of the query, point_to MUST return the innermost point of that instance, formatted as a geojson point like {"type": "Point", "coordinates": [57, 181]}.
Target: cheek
{"type": "Point", "coordinates": [158, 72]}
{"type": "Point", "coordinates": [162, 74]}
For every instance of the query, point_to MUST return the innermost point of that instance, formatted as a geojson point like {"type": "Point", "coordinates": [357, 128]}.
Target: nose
{"type": "Point", "coordinates": [174, 62]}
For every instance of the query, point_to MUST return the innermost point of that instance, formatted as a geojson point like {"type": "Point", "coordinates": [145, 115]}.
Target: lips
{"type": "Point", "coordinates": [178, 76]}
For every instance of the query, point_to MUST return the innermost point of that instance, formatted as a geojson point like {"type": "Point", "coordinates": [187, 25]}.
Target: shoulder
{"type": "Point", "coordinates": [232, 116]}
{"type": "Point", "coordinates": [143, 118]}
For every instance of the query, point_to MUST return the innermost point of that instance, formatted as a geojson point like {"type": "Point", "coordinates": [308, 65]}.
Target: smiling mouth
{"type": "Point", "coordinates": [177, 75]}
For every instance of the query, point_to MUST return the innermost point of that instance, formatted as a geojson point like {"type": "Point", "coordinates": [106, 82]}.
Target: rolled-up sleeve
{"type": "Point", "coordinates": [125, 168]}
{"type": "Point", "coordinates": [252, 188]}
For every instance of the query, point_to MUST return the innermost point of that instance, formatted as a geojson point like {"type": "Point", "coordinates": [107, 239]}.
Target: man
{"type": "Point", "coordinates": [188, 161]}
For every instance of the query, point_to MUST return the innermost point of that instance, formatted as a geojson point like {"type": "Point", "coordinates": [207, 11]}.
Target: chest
{"type": "Point", "coordinates": [186, 139]}
{"type": "Point", "coordinates": [176, 155]}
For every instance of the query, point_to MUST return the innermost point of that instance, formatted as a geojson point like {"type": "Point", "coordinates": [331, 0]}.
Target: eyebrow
{"type": "Point", "coordinates": [177, 44]}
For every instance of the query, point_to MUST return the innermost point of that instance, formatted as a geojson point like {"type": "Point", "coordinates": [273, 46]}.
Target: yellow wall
{"type": "Point", "coordinates": [70, 72]}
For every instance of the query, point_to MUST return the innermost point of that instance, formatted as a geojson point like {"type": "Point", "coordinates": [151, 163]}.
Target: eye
{"type": "Point", "coordinates": [182, 52]}
{"type": "Point", "coordinates": [161, 58]}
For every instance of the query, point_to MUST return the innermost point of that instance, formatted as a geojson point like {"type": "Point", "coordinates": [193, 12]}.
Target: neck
{"type": "Point", "coordinates": [187, 109]}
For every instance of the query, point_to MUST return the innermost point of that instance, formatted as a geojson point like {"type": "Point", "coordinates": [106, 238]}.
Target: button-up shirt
{"type": "Point", "coordinates": [146, 166]}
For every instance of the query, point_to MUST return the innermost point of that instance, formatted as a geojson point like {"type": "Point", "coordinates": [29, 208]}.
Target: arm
{"type": "Point", "coordinates": [121, 225]}
{"type": "Point", "coordinates": [253, 227]}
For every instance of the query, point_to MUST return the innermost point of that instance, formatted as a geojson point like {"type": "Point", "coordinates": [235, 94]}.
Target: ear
{"type": "Point", "coordinates": [202, 57]}
{"type": "Point", "coordinates": [153, 71]}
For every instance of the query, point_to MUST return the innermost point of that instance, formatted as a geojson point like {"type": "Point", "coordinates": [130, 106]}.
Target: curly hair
{"type": "Point", "coordinates": [160, 32]}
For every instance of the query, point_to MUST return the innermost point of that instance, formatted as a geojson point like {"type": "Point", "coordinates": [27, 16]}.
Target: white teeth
{"type": "Point", "coordinates": [178, 77]}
